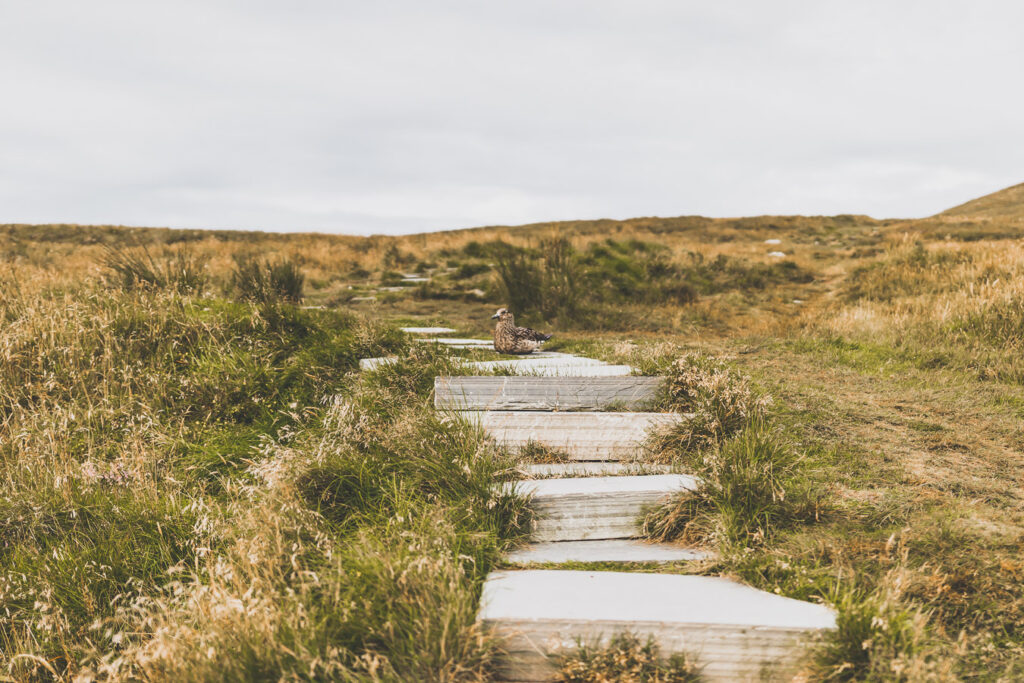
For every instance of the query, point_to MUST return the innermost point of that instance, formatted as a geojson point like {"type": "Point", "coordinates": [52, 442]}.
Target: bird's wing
{"type": "Point", "coordinates": [532, 335]}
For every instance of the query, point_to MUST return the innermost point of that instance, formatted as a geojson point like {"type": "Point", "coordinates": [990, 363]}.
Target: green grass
{"type": "Point", "coordinates": [164, 455]}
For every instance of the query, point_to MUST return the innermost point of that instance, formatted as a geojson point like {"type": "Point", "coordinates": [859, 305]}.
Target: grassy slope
{"type": "Point", "coordinates": [897, 378]}
{"type": "Point", "coordinates": [1006, 203]}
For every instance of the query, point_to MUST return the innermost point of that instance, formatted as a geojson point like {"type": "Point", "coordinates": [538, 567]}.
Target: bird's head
{"type": "Point", "coordinates": [502, 314]}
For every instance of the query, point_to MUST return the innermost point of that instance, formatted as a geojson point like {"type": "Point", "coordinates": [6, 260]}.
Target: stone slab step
{"type": "Point", "coordinates": [594, 508]}
{"type": "Point", "coordinates": [545, 393]}
{"type": "Point", "coordinates": [734, 632]}
{"type": "Point", "coordinates": [528, 361]}
{"type": "Point", "coordinates": [427, 330]}
{"type": "Point", "coordinates": [612, 550]}
{"type": "Point", "coordinates": [591, 469]}
{"type": "Point", "coordinates": [457, 341]}
{"type": "Point", "coordinates": [540, 358]}
{"type": "Point", "coordinates": [539, 370]}
{"type": "Point", "coordinates": [581, 436]}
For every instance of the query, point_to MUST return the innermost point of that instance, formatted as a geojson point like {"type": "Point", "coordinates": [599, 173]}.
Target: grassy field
{"type": "Point", "coordinates": [195, 482]}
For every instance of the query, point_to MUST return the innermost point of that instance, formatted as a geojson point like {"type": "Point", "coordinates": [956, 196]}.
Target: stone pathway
{"type": "Point", "coordinates": [587, 509]}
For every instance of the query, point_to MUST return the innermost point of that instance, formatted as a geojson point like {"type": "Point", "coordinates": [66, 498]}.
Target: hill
{"type": "Point", "coordinates": [197, 483]}
{"type": "Point", "coordinates": [1006, 203]}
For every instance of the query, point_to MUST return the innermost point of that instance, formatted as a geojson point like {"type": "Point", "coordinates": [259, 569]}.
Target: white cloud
{"type": "Point", "coordinates": [403, 116]}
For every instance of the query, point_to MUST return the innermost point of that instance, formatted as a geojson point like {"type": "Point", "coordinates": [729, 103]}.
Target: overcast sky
{"type": "Point", "coordinates": [415, 115]}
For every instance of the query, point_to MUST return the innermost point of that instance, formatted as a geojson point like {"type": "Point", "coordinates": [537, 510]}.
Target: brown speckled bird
{"type": "Point", "coordinates": [511, 339]}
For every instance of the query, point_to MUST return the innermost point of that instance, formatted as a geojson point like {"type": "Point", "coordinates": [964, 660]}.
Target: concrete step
{"type": "Point", "coordinates": [561, 370]}
{"type": "Point", "coordinates": [582, 436]}
{"type": "Point", "coordinates": [612, 550]}
{"type": "Point", "coordinates": [457, 341]}
{"type": "Point", "coordinates": [590, 469]}
{"type": "Point", "coordinates": [539, 368]}
{"type": "Point", "coordinates": [545, 393]}
{"type": "Point", "coordinates": [733, 632]}
{"type": "Point", "coordinates": [593, 508]}
{"type": "Point", "coordinates": [538, 359]}
{"type": "Point", "coordinates": [427, 330]}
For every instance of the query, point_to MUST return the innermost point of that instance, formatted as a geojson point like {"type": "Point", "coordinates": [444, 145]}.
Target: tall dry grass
{"type": "Point", "coordinates": [180, 495]}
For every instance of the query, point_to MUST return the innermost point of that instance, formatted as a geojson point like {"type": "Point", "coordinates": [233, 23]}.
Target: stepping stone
{"type": "Point", "coordinates": [590, 508]}
{"type": "Point", "coordinates": [392, 289]}
{"type": "Point", "coordinates": [374, 363]}
{"type": "Point", "coordinates": [591, 469]}
{"type": "Point", "coordinates": [415, 279]}
{"type": "Point", "coordinates": [538, 368]}
{"type": "Point", "coordinates": [614, 550]}
{"type": "Point", "coordinates": [732, 631]}
{"type": "Point", "coordinates": [530, 361]}
{"type": "Point", "coordinates": [544, 393]}
{"type": "Point", "coordinates": [363, 298]}
{"type": "Point", "coordinates": [571, 371]}
{"type": "Point", "coordinates": [426, 330]}
{"type": "Point", "coordinates": [582, 436]}
{"type": "Point", "coordinates": [455, 341]}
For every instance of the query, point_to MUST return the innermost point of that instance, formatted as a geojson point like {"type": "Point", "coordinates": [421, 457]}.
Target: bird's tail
{"type": "Point", "coordinates": [546, 336]}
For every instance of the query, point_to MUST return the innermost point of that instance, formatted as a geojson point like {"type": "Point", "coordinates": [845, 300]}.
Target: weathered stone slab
{"type": "Point", "coordinates": [531, 361]}
{"type": "Point", "coordinates": [544, 393]}
{"type": "Point", "coordinates": [457, 341]}
{"type": "Point", "coordinates": [573, 371]}
{"type": "Point", "coordinates": [592, 508]}
{"type": "Point", "coordinates": [543, 364]}
{"type": "Point", "coordinates": [591, 469]}
{"type": "Point", "coordinates": [582, 435]}
{"type": "Point", "coordinates": [374, 363]}
{"type": "Point", "coordinates": [427, 330]}
{"type": "Point", "coordinates": [613, 550]}
{"type": "Point", "coordinates": [734, 632]}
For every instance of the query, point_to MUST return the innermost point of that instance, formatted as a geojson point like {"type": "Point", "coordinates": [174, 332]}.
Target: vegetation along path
{"type": "Point", "coordinates": [708, 627]}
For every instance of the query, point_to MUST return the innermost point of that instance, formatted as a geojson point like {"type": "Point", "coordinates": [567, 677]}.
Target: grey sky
{"type": "Point", "coordinates": [409, 115]}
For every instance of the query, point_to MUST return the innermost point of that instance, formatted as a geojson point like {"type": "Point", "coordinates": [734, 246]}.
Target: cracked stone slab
{"type": "Point", "coordinates": [732, 631]}
{"type": "Point", "coordinates": [594, 508]}
{"type": "Point", "coordinates": [580, 435]}
{"type": "Point", "coordinates": [612, 550]}
{"type": "Point", "coordinates": [545, 393]}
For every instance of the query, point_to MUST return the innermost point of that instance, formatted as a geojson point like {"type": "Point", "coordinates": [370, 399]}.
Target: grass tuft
{"type": "Point", "coordinates": [625, 658]}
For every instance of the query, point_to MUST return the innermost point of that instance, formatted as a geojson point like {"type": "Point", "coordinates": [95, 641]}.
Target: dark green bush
{"type": "Point", "coordinates": [264, 281]}
{"type": "Point", "coordinates": [180, 270]}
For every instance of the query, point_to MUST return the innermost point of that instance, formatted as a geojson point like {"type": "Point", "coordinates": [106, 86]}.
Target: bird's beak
{"type": "Point", "coordinates": [495, 316]}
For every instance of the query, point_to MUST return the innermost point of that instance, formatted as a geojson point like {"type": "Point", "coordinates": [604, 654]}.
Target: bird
{"type": "Point", "coordinates": [511, 339]}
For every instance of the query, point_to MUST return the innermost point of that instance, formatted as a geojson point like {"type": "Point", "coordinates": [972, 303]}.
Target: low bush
{"type": "Point", "coordinates": [721, 401]}
{"type": "Point", "coordinates": [265, 281]}
{"type": "Point", "coordinates": [750, 487]}
{"type": "Point", "coordinates": [180, 270]}
{"type": "Point", "coordinates": [628, 659]}
{"type": "Point", "coordinates": [879, 639]}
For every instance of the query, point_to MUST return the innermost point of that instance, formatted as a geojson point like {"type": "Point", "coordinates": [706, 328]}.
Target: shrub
{"type": "Point", "coordinates": [263, 281]}
{"type": "Point", "coordinates": [180, 270]}
{"type": "Point", "coordinates": [721, 401]}
{"type": "Point", "coordinates": [749, 487]}
{"type": "Point", "coordinates": [625, 658]}
{"type": "Point", "coordinates": [878, 639]}
{"type": "Point", "coordinates": [544, 281]}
